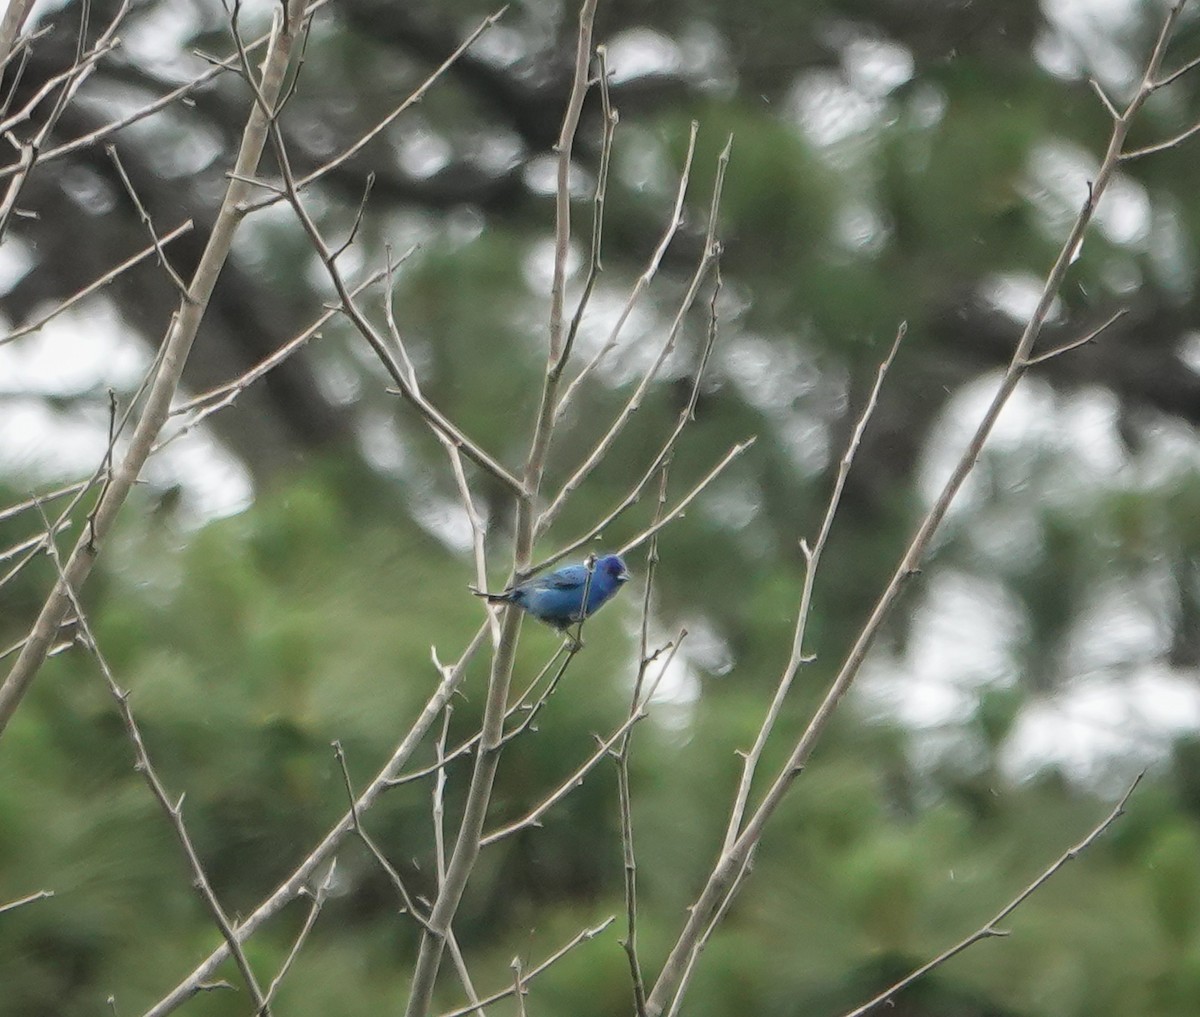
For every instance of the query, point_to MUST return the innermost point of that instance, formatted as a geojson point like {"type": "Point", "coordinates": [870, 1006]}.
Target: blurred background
{"type": "Point", "coordinates": [277, 581]}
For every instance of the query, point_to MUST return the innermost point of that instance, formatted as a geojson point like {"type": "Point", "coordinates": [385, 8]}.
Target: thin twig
{"type": "Point", "coordinates": [483, 775]}
{"type": "Point", "coordinates": [643, 281]}
{"type": "Point", "coordinates": [1074, 344]}
{"type": "Point", "coordinates": [533, 816]}
{"type": "Point", "coordinates": [988, 930]}
{"type": "Point", "coordinates": [294, 884]}
{"type": "Point", "coordinates": [413, 98]}
{"type": "Point", "coordinates": [594, 267]}
{"type": "Point", "coordinates": [147, 221]}
{"type": "Point", "coordinates": [559, 954]}
{"type": "Point", "coordinates": [357, 828]}
{"type": "Point", "coordinates": [682, 506]}
{"type": "Point", "coordinates": [172, 809]}
{"type": "Point", "coordinates": [72, 80]}
{"type": "Point", "coordinates": [812, 559]}
{"type": "Point", "coordinates": [624, 792]}
{"type": "Point", "coordinates": [22, 901]}
{"type": "Point", "coordinates": [436, 420]}
{"type": "Point", "coordinates": [686, 416]}
{"type": "Point", "coordinates": [712, 251]}
{"type": "Point", "coordinates": [10, 27]}
{"type": "Point", "coordinates": [314, 911]}
{"type": "Point", "coordinates": [98, 284]}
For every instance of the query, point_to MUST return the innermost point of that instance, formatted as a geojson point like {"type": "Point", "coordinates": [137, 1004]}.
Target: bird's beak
{"type": "Point", "coordinates": [624, 576]}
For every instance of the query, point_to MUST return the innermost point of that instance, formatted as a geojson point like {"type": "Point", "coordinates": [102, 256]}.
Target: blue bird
{"type": "Point", "coordinates": [556, 598]}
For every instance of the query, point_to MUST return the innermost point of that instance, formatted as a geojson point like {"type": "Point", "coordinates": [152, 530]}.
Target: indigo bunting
{"type": "Point", "coordinates": [557, 597]}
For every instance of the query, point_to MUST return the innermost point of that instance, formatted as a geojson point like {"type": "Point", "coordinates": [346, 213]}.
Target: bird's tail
{"type": "Point", "coordinates": [491, 598]}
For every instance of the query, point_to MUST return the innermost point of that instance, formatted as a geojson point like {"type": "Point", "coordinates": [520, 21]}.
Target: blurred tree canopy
{"type": "Point", "coordinates": [915, 161]}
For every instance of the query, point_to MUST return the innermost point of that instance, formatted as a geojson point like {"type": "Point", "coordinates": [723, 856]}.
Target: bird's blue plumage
{"type": "Point", "coordinates": [557, 597]}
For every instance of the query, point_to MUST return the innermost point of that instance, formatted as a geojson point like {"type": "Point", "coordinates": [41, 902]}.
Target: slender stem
{"type": "Point", "coordinates": [812, 558]}
{"type": "Point", "coordinates": [989, 930]}
{"type": "Point", "coordinates": [176, 347]}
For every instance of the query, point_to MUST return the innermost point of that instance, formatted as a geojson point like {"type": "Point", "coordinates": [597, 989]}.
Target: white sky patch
{"type": "Point", "coordinates": [541, 176]}
{"type": "Point", "coordinates": [44, 444]}
{"type": "Point", "coordinates": [961, 642]}
{"type": "Point", "coordinates": [637, 346]}
{"type": "Point", "coordinates": [828, 110]}
{"type": "Point", "coordinates": [82, 353]}
{"type": "Point", "coordinates": [215, 483]}
{"type": "Point", "coordinates": [78, 351]}
{"type": "Point", "coordinates": [637, 52]}
{"type": "Point", "coordinates": [860, 228]}
{"type": "Point", "coordinates": [678, 680]}
{"type": "Point", "coordinates": [501, 45]}
{"type": "Point", "coordinates": [381, 442]}
{"type": "Point", "coordinates": [876, 67]}
{"type": "Point", "coordinates": [640, 161]}
{"type": "Point", "coordinates": [959, 419]}
{"type": "Point", "coordinates": [1087, 37]}
{"type": "Point", "coordinates": [1123, 625]}
{"type": "Point", "coordinates": [421, 153]}
{"type": "Point", "coordinates": [1132, 718]}
{"type": "Point", "coordinates": [1189, 351]}
{"type": "Point", "coordinates": [15, 262]}
{"type": "Point", "coordinates": [444, 518]}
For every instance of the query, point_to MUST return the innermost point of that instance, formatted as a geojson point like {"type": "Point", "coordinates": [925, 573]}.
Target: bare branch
{"type": "Point", "coordinates": [466, 846]}
{"type": "Point", "coordinates": [594, 267]}
{"type": "Point", "coordinates": [71, 80]}
{"type": "Point", "coordinates": [731, 862]}
{"type": "Point", "coordinates": [10, 27]}
{"type": "Point", "coordinates": [533, 817]}
{"type": "Point", "coordinates": [643, 280]}
{"type": "Point", "coordinates": [22, 901]}
{"type": "Point", "coordinates": [1161, 146]}
{"type": "Point", "coordinates": [294, 885]}
{"type": "Point", "coordinates": [812, 558]}
{"type": "Point", "coordinates": [495, 997]}
{"type": "Point", "coordinates": [172, 809]}
{"type": "Point", "coordinates": [989, 929]}
{"type": "Point", "coordinates": [207, 403]}
{"type": "Point", "coordinates": [686, 416]}
{"type": "Point", "coordinates": [712, 250]}
{"type": "Point", "coordinates": [413, 98]}
{"type": "Point", "coordinates": [98, 284]}
{"type": "Point", "coordinates": [1074, 344]}
{"type": "Point", "coordinates": [175, 351]}
{"type": "Point", "coordinates": [624, 791]}
{"type": "Point", "coordinates": [314, 911]}
{"type": "Point", "coordinates": [1104, 99]}
{"type": "Point", "coordinates": [436, 420]}
{"type": "Point", "coordinates": [144, 216]}
{"type": "Point", "coordinates": [682, 506]}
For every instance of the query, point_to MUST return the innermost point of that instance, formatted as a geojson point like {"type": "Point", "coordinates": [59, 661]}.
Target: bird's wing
{"type": "Point", "coordinates": [571, 577]}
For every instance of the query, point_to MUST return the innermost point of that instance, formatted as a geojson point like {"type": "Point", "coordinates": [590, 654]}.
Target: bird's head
{"type": "Point", "coordinates": [612, 565]}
